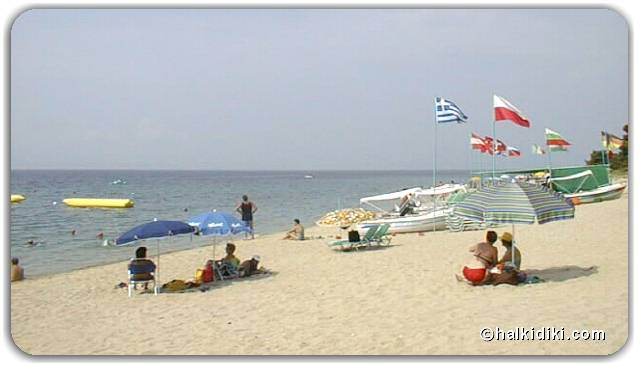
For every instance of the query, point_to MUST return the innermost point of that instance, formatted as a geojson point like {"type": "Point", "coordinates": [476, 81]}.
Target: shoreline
{"type": "Point", "coordinates": [397, 300]}
{"type": "Point", "coordinates": [150, 244]}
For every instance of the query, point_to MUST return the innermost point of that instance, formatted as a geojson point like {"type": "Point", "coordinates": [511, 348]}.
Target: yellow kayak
{"type": "Point", "coordinates": [99, 203]}
{"type": "Point", "coordinates": [17, 198]}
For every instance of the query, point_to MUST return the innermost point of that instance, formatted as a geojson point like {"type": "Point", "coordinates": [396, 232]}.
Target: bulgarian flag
{"type": "Point", "coordinates": [513, 152]}
{"type": "Point", "coordinates": [504, 110]}
{"type": "Point", "coordinates": [555, 141]}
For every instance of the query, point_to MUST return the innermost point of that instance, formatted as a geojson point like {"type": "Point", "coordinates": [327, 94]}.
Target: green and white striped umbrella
{"type": "Point", "coordinates": [515, 204]}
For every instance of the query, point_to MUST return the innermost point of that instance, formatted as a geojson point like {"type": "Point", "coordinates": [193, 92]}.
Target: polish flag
{"type": "Point", "coordinates": [504, 110]}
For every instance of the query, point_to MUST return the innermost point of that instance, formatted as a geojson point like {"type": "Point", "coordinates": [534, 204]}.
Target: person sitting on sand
{"type": "Point", "coordinates": [141, 267]}
{"type": "Point", "coordinates": [249, 267]}
{"type": "Point", "coordinates": [231, 258]}
{"type": "Point", "coordinates": [17, 272]}
{"type": "Point", "coordinates": [485, 257]}
{"type": "Point", "coordinates": [228, 265]}
{"type": "Point", "coordinates": [508, 257]}
{"type": "Point", "coordinates": [297, 233]}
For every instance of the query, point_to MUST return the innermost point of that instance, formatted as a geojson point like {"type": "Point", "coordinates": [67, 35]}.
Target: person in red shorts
{"type": "Point", "coordinates": [485, 256]}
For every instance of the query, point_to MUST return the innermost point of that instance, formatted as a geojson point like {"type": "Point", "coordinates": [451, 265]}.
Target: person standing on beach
{"type": "Point", "coordinates": [246, 209]}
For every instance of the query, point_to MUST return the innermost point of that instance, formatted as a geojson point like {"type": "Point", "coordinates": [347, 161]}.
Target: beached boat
{"type": "Point", "coordinates": [98, 203]}
{"type": "Point", "coordinates": [607, 192]}
{"type": "Point", "coordinates": [413, 209]}
{"type": "Point", "coordinates": [573, 187]}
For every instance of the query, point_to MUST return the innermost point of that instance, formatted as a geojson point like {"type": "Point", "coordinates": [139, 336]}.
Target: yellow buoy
{"type": "Point", "coordinates": [17, 198]}
{"type": "Point", "coordinates": [99, 203]}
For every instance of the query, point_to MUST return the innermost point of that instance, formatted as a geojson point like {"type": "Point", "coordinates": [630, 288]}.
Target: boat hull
{"type": "Point", "coordinates": [608, 192]}
{"type": "Point", "coordinates": [409, 223]}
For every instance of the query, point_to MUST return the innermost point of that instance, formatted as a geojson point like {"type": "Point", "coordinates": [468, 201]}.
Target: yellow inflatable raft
{"type": "Point", "coordinates": [99, 203]}
{"type": "Point", "coordinates": [17, 198]}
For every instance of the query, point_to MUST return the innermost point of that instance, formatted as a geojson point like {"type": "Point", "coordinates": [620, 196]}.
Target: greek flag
{"type": "Point", "coordinates": [447, 111]}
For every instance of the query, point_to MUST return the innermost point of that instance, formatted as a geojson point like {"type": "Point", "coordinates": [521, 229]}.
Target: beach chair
{"type": "Point", "coordinates": [141, 269]}
{"type": "Point", "coordinates": [367, 239]}
{"type": "Point", "coordinates": [345, 244]}
{"type": "Point", "coordinates": [381, 235]}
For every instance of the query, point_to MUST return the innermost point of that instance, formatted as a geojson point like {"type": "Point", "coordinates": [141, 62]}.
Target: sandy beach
{"type": "Point", "coordinates": [403, 299]}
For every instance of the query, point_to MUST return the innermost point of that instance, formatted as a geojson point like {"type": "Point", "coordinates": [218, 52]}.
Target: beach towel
{"type": "Point", "coordinates": [178, 285]}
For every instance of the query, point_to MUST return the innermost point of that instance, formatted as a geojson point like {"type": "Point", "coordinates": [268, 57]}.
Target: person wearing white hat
{"type": "Point", "coordinates": [249, 267]}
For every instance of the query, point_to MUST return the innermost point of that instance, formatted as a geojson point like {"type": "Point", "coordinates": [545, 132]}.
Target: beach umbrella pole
{"type": "Point", "coordinates": [513, 244]}
{"type": "Point", "coordinates": [157, 277]}
{"type": "Point", "coordinates": [215, 239]}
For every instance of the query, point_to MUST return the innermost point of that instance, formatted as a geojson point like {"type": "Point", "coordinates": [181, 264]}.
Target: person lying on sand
{"type": "Point", "coordinates": [297, 233]}
{"type": "Point", "coordinates": [485, 256]}
{"type": "Point", "coordinates": [249, 267]}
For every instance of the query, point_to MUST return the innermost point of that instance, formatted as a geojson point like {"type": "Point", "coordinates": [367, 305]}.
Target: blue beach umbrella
{"type": "Point", "coordinates": [218, 224]}
{"type": "Point", "coordinates": [514, 203]}
{"type": "Point", "coordinates": [156, 229]}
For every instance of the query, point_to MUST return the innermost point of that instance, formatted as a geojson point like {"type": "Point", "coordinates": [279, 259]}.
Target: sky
{"type": "Point", "coordinates": [309, 89]}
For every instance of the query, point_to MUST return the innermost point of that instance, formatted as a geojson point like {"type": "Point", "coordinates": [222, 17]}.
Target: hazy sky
{"type": "Point", "coordinates": [307, 89]}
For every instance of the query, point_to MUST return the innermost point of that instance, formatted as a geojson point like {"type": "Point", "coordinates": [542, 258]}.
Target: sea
{"type": "Point", "coordinates": [66, 238]}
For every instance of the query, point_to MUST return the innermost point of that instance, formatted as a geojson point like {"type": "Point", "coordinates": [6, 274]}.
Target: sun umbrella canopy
{"type": "Point", "coordinates": [514, 203]}
{"type": "Point", "coordinates": [218, 224]}
{"type": "Point", "coordinates": [155, 229]}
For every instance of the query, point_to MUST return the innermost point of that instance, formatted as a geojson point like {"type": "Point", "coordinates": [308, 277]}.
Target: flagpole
{"type": "Point", "coordinates": [435, 140]}
{"type": "Point", "coordinates": [493, 154]}
{"type": "Point", "coordinates": [470, 156]}
{"type": "Point", "coordinates": [549, 158]}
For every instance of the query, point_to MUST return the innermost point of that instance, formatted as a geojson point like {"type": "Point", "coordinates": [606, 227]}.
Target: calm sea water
{"type": "Point", "coordinates": [280, 197]}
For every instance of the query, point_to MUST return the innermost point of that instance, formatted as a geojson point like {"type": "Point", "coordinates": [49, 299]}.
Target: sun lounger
{"type": "Point", "coordinates": [345, 244]}
{"type": "Point", "coordinates": [381, 235]}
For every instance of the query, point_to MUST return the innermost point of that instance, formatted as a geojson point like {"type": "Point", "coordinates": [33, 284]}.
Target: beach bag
{"type": "Point", "coordinates": [354, 236]}
{"type": "Point", "coordinates": [207, 275]}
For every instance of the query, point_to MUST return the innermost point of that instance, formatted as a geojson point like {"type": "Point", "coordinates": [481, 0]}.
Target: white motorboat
{"type": "Point", "coordinates": [413, 209]}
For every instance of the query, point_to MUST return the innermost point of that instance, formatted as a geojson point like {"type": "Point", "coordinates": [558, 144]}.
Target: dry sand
{"type": "Point", "coordinates": [403, 299]}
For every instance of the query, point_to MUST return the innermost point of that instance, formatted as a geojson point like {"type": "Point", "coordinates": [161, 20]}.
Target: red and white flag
{"type": "Point", "coordinates": [500, 147]}
{"type": "Point", "coordinates": [477, 143]}
{"type": "Point", "coordinates": [513, 152]}
{"type": "Point", "coordinates": [504, 110]}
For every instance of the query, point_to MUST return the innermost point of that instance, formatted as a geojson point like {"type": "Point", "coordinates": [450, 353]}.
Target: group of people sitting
{"type": "Point", "coordinates": [485, 267]}
{"type": "Point", "coordinates": [229, 267]}
{"type": "Point", "coordinates": [142, 270]}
